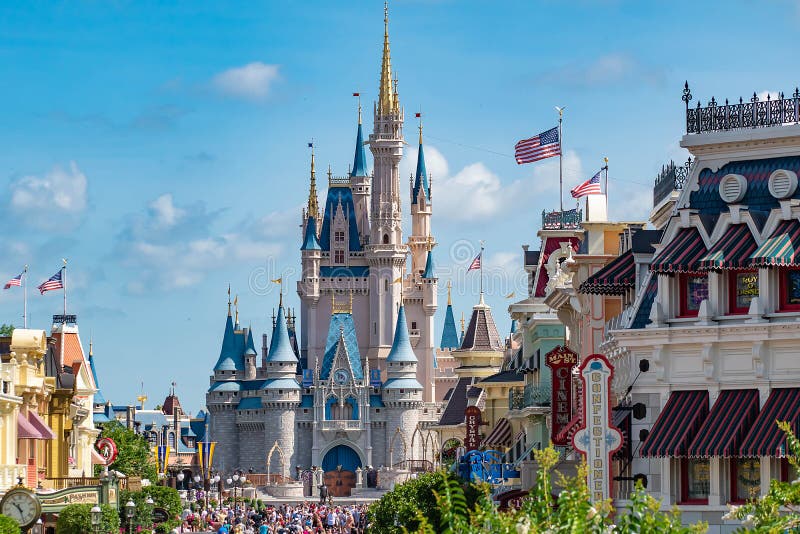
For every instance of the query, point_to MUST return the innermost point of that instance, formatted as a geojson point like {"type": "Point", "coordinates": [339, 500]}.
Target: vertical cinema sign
{"type": "Point", "coordinates": [560, 360]}
{"type": "Point", "coordinates": [598, 439]}
{"type": "Point", "coordinates": [472, 418]}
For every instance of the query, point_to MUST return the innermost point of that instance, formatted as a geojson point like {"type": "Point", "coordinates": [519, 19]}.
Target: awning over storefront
{"type": "Point", "coordinates": [621, 419]}
{"type": "Point", "coordinates": [25, 430]}
{"type": "Point", "coordinates": [682, 254]}
{"type": "Point", "coordinates": [732, 250]}
{"type": "Point", "coordinates": [615, 278]}
{"type": "Point", "coordinates": [97, 458]}
{"type": "Point", "coordinates": [45, 432]}
{"type": "Point", "coordinates": [765, 438]}
{"type": "Point", "coordinates": [677, 424]}
{"type": "Point", "coordinates": [565, 436]}
{"type": "Point", "coordinates": [723, 431]}
{"type": "Point", "coordinates": [782, 249]}
{"type": "Point", "coordinates": [500, 434]}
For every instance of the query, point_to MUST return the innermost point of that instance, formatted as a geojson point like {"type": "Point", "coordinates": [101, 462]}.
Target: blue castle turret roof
{"type": "Point", "coordinates": [421, 177]}
{"type": "Point", "coordinates": [250, 348]}
{"type": "Point", "coordinates": [310, 242]}
{"type": "Point", "coordinates": [401, 347]}
{"type": "Point", "coordinates": [280, 349]}
{"type": "Point", "coordinates": [449, 333]}
{"type": "Point", "coordinates": [428, 273]}
{"type": "Point", "coordinates": [230, 355]}
{"type": "Point", "coordinates": [360, 158]}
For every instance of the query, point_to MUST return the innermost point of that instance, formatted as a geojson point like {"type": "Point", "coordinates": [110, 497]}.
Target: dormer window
{"type": "Point", "coordinates": [693, 290]}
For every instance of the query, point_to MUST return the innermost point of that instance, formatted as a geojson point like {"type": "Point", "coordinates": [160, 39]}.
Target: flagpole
{"type": "Point", "coordinates": [605, 160]}
{"type": "Point", "coordinates": [25, 297]}
{"type": "Point", "coordinates": [560, 162]}
{"type": "Point", "coordinates": [64, 281]}
{"type": "Point", "coordinates": [481, 267]}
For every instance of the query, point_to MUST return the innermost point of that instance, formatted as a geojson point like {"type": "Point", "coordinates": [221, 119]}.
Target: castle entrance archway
{"type": "Point", "coordinates": [339, 465]}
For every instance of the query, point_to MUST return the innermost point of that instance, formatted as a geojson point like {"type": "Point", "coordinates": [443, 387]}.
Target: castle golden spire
{"type": "Point", "coordinates": [313, 202]}
{"type": "Point", "coordinates": [386, 97]}
{"type": "Point", "coordinates": [449, 300]}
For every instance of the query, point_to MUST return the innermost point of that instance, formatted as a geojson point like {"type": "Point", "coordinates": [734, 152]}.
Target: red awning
{"type": "Point", "coordinates": [615, 278]}
{"type": "Point", "coordinates": [682, 254]}
{"type": "Point", "coordinates": [44, 431]}
{"type": "Point", "coordinates": [765, 438]}
{"type": "Point", "coordinates": [724, 429]}
{"type": "Point", "coordinates": [25, 430]}
{"type": "Point", "coordinates": [678, 422]}
{"type": "Point", "coordinates": [732, 250]}
{"type": "Point", "coordinates": [565, 436]}
{"type": "Point", "coordinates": [500, 434]}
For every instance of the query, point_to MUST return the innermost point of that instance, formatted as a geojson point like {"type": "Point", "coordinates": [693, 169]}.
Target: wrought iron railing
{"type": "Point", "coordinates": [537, 395]}
{"type": "Point", "coordinates": [756, 113]}
{"type": "Point", "coordinates": [670, 178]}
{"type": "Point", "coordinates": [556, 220]}
{"type": "Point", "coordinates": [516, 398]}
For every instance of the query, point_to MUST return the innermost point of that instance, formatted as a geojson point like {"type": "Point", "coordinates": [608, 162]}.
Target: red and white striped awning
{"type": "Point", "coordinates": [500, 434]}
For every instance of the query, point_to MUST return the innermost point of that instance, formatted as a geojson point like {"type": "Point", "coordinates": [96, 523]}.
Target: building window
{"type": "Point", "coordinates": [413, 325]}
{"type": "Point", "coordinates": [790, 290]}
{"type": "Point", "coordinates": [745, 479]}
{"type": "Point", "coordinates": [338, 256]}
{"type": "Point", "coordinates": [172, 439]}
{"type": "Point", "coordinates": [693, 290]}
{"type": "Point", "coordinates": [743, 286]}
{"type": "Point", "coordinates": [694, 481]}
{"type": "Point", "coordinates": [338, 237]}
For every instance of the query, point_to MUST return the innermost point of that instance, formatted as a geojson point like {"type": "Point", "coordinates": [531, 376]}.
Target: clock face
{"type": "Point", "coordinates": [22, 506]}
{"type": "Point", "coordinates": [341, 376]}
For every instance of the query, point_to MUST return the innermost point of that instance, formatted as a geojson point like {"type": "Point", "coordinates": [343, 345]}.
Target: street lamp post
{"type": "Point", "coordinates": [97, 516]}
{"type": "Point", "coordinates": [150, 502]}
{"type": "Point", "coordinates": [130, 511]}
{"type": "Point", "coordinates": [180, 478]}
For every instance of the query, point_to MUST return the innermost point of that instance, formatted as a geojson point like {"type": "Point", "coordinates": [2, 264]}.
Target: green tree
{"type": "Point", "coordinates": [779, 509]}
{"type": "Point", "coordinates": [8, 525]}
{"type": "Point", "coordinates": [6, 329]}
{"type": "Point", "coordinates": [135, 456]}
{"type": "Point", "coordinates": [77, 519]}
{"type": "Point", "coordinates": [163, 497]}
{"type": "Point", "coordinates": [398, 508]}
{"type": "Point", "coordinates": [570, 512]}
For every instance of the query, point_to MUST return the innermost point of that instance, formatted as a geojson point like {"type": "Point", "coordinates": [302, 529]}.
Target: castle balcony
{"type": "Point", "coordinates": [352, 427]}
{"type": "Point", "coordinates": [350, 282]}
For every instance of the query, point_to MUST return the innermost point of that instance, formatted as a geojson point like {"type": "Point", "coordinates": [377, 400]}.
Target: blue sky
{"type": "Point", "coordinates": [162, 147]}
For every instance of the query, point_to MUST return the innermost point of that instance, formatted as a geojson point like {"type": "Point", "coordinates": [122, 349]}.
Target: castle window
{"type": "Point", "coordinates": [338, 236]}
{"type": "Point", "coordinates": [385, 239]}
{"type": "Point", "coordinates": [338, 256]}
{"type": "Point", "coordinates": [413, 325]}
{"type": "Point", "coordinates": [742, 287]}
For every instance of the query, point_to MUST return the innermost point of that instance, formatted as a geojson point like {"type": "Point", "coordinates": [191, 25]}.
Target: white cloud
{"type": "Point", "coordinates": [772, 94]}
{"type": "Point", "coordinates": [252, 81]}
{"type": "Point", "coordinates": [55, 199]}
{"type": "Point", "coordinates": [476, 193]}
{"type": "Point", "coordinates": [170, 246]}
{"type": "Point", "coordinates": [607, 69]}
{"type": "Point", "coordinates": [164, 211]}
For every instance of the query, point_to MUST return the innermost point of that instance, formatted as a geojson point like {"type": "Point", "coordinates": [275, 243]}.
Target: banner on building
{"type": "Point", "coordinates": [472, 418]}
{"type": "Point", "coordinates": [598, 439]}
{"type": "Point", "coordinates": [161, 454]}
{"type": "Point", "coordinates": [560, 360]}
{"type": "Point", "coordinates": [375, 378]}
{"type": "Point", "coordinates": [205, 455]}
{"type": "Point", "coordinates": [308, 378]}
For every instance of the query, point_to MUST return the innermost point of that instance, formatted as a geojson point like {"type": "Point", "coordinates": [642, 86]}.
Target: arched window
{"type": "Point", "coordinates": [171, 439]}
{"type": "Point", "coordinates": [385, 239]}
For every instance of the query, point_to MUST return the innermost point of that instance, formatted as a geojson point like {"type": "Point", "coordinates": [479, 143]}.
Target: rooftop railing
{"type": "Point", "coordinates": [671, 178]}
{"type": "Point", "coordinates": [557, 220]}
{"type": "Point", "coordinates": [755, 113]}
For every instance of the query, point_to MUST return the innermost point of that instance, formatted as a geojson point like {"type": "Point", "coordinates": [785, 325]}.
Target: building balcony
{"type": "Point", "coordinates": [9, 474]}
{"type": "Point", "coordinates": [531, 396]}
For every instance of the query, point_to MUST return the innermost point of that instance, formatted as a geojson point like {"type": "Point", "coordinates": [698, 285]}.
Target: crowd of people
{"type": "Point", "coordinates": [305, 518]}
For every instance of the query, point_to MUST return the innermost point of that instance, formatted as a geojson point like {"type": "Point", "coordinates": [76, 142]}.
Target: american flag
{"type": "Point", "coordinates": [54, 282]}
{"type": "Point", "coordinates": [544, 145]}
{"type": "Point", "coordinates": [476, 263]}
{"type": "Point", "coordinates": [16, 281]}
{"type": "Point", "coordinates": [589, 187]}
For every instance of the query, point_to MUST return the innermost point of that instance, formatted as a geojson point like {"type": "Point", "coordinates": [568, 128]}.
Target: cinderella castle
{"type": "Point", "coordinates": [357, 387]}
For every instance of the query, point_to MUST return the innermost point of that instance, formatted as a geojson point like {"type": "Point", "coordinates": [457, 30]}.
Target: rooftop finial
{"type": "Point", "coordinates": [236, 306]}
{"type": "Point", "coordinates": [313, 203]}
{"type": "Point", "coordinates": [419, 116]}
{"type": "Point", "coordinates": [386, 100]}
{"type": "Point", "coordinates": [449, 299]}
{"type": "Point", "coordinates": [462, 322]}
{"type": "Point", "coordinates": [229, 300]}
